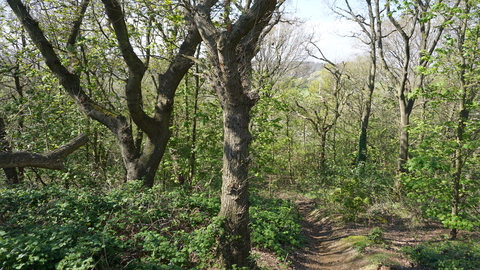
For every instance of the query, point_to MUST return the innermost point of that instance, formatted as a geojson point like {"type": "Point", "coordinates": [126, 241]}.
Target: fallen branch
{"type": "Point", "coordinates": [50, 160]}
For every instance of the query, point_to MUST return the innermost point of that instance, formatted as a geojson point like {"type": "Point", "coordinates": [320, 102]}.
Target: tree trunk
{"type": "Point", "coordinates": [465, 102]}
{"type": "Point", "coordinates": [231, 53]}
{"type": "Point", "coordinates": [362, 141]}
{"type": "Point", "coordinates": [193, 152]}
{"type": "Point", "coordinates": [459, 163]}
{"type": "Point", "coordinates": [322, 154]}
{"type": "Point", "coordinates": [406, 106]}
{"type": "Point", "coordinates": [145, 166]}
{"type": "Point", "coordinates": [234, 246]}
{"type": "Point", "coordinates": [10, 173]}
{"type": "Point", "coordinates": [374, 33]}
{"type": "Point", "coordinates": [403, 138]}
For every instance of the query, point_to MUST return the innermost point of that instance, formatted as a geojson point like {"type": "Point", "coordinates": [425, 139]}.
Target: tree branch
{"type": "Point", "coordinates": [76, 24]}
{"type": "Point", "coordinates": [70, 82]}
{"type": "Point", "coordinates": [136, 68]}
{"type": "Point", "coordinates": [50, 160]}
{"type": "Point", "coordinates": [248, 20]}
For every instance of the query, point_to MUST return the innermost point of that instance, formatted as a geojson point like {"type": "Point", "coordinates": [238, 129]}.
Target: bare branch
{"type": "Point", "coordinates": [50, 160]}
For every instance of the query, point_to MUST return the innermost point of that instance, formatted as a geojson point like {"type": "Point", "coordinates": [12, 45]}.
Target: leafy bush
{"type": "Point", "coordinates": [359, 242]}
{"type": "Point", "coordinates": [447, 255]}
{"type": "Point", "coordinates": [349, 193]}
{"type": "Point", "coordinates": [55, 228]}
{"type": "Point", "coordinates": [275, 225]}
{"type": "Point", "coordinates": [376, 235]}
{"type": "Point", "coordinates": [352, 197]}
{"type": "Point", "coordinates": [127, 228]}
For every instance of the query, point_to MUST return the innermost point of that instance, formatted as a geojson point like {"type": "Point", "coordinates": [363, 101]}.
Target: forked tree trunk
{"type": "Point", "coordinates": [231, 52]}
{"type": "Point", "coordinates": [141, 161]}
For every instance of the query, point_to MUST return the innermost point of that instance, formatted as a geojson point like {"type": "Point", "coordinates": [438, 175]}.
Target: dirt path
{"type": "Point", "coordinates": [324, 248]}
{"type": "Point", "coordinates": [329, 246]}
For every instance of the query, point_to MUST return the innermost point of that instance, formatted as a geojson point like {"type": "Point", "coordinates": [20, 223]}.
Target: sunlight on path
{"type": "Point", "coordinates": [324, 248]}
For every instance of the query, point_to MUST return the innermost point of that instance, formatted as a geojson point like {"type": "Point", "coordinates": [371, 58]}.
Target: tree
{"type": "Point", "coordinates": [418, 38]}
{"type": "Point", "coordinates": [371, 29]}
{"type": "Point", "coordinates": [332, 94]}
{"type": "Point", "coordinates": [446, 158]}
{"type": "Point", "coordinates": [231, 48]}
{"type": "Point", "coordinates": [141, 157]}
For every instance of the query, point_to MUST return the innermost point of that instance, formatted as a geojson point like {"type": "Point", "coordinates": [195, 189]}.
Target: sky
{"type": "Point", "coordinates": [328, 29]}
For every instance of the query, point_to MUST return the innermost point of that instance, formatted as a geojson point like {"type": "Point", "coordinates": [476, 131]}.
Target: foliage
{"type": "Point", "coordinates": [362, 242]}
{"type": "Point", "coordinates": [375, 235]}
{"type": "Point", "coordinates": [127, 228]}
{"type": "Point", "coordinates": [351, 193]}
{"type": "Point", "coordinates": [443, 166]}
{"type": "Point", "coordinates": [275, 225]}
{"type": "Point", "coordinates": [87, 227]}
{"type": "Point", "coordinates": [359, 242]}
{"type": "Point", "coordinates": [57, 228]}
{"type": "Point", "coordinates": [196, 145]}
{"type": "Point", "coordinates": [446, 255]}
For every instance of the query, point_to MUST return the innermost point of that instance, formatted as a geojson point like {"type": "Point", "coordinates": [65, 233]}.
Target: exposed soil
{"type": "Point", "coordinates": [328, 246]}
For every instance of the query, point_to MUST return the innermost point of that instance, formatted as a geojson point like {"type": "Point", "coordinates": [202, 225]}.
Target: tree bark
{"type": "Point", "coordinates": [235, 243]}
{"type": "Point", "coordinates": [230, 53]}
{"type": "Point", "coordinates": [10, 173]}
{"type": "Point", "coordinates": [50, 160]}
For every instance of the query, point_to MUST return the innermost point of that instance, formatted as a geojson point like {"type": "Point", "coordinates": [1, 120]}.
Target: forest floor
{"type": "Point", "coordinates": [332, 245]}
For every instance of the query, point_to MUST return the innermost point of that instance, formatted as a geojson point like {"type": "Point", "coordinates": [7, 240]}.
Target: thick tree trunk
{"type": "Point", "coordinates": [231, 53]}
{"type": "Point", "coordinates": [234, 246]}
{"type": "Point", "coordinates": [145, 167]}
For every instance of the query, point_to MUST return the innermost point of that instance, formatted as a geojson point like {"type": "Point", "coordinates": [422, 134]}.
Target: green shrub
{"type": "Point", "coordinates": [55, 228]}
{"type": "Point", "coordinates": [130, 227]}
{"type": "Point", "coordinates": [447, 255]}
{"type": "Point", "coordinates": [275, 225]}
{"type": "Point", "coordinates": [376, 235]}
